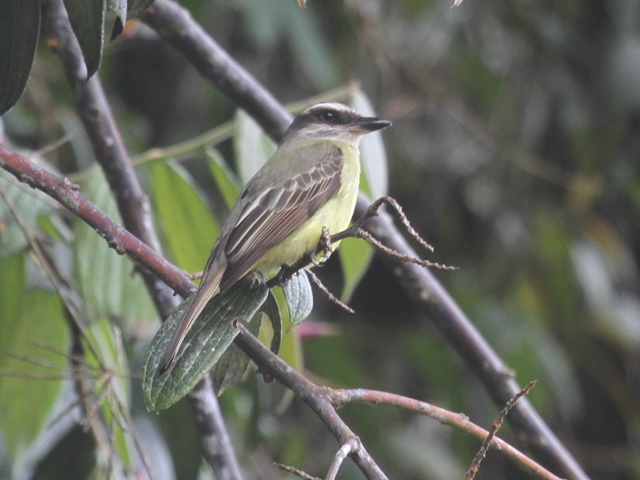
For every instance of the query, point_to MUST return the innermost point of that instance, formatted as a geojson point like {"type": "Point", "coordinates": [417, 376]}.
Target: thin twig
{"type": "Point", "coordinates": [314, 396]}
{"type": "Point", "coordinates": [350, 446]}
{"type": "Point", "coordinates": [372, 211]}
{"type": "Point", "coordinates": [482, 451]}
{"type": "Point", "coordinates": [439, 307]}
{"type": "Point", "coordinates": [295, 471]}
{"type": "Point", "coordinates": [360, 233]}
{"type": "Point", "coordinates": [325, 290]}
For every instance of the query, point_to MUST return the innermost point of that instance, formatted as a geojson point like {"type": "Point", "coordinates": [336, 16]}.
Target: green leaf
{"type": "Point", "coordinates": [19, 30]}
{"type": "Point", "coordinates": [105, 280]}
{"type": "Point", "coordinates": [188, 225]}
{"type": "Point", "coordinates": [355, 257]}
{"type": "Point", "coordinates": [233, 363]}
{"type": "Point", "coordinates": [28, 396]}
{"type": "Point", "coordinates": [87, 20]}
{"type": "Point", "coordinates": [115, 393]}
{"type": "Point", "coordinates": [252, 147]}
{"type": "Point", "coordinates": [12, 293]}
{"type": "Point", "coordinates": [299, 297]}
{"type": "Point", "coordinates": [225, 179]}
{"type": "Point", "coordinates": [375, 172]}
{"type": "Point", "coordinates": [55, 227]}
{"type": "Point", "coordinates": [205, 343]}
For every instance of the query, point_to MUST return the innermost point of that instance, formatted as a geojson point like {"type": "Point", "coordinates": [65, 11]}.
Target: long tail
{"type": "Point", "coordinates": [210, 282]}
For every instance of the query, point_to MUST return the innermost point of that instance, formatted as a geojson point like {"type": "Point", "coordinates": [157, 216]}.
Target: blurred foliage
{"type": "Point", "coordinates": [514, 151]}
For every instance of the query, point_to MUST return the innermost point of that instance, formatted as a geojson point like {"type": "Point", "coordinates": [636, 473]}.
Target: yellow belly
{"type": "Point", "coordinates": [335, 215]}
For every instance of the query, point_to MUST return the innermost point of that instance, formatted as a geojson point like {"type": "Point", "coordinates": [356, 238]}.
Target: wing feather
{"type": "Point", "coordinates": [278, 212]}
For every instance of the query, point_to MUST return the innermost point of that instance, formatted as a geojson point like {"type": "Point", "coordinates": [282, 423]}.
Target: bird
{"type": "Point", "coordinates": [310, 183]}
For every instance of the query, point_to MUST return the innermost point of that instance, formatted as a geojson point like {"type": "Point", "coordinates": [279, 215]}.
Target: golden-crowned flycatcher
{"type": "Point", "coordinates": [310, 182]}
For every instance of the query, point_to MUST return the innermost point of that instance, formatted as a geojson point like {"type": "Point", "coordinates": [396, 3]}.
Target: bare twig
{"type": "Point", "coordinates": [314, 278]}
{"type": "Point", "coordinates": [400, 256]}
{"type": "Point", "coordinates": [372, 211]}
{"type": "Point", "coordinates": [295, 471]}
{"type": "Point", "coordinates": [431, 297]}
{"type": "Point", "coordinates": [482, 451]}
{"type": "Point", "coordinates": [351, 446]}
{"type": "Point", "coordinates": [314, 396]}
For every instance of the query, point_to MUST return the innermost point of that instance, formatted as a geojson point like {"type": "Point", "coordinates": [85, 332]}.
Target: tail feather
{"type": "Point", "coordinates": [208, 288]}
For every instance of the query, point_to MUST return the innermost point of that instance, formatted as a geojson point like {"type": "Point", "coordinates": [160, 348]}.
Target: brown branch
{"type": "Point", "coordinates": [315, 397]}
{"type": "Point", "coordinates": [175, 25]}
{"type": "Point", "coordinates": [314, 278]}
{"type": "Point", "coordinates": [445, 417]}
{"type": "Point", "coordinates": [324, 402]}
{"type": "Point", "coordinates": [348, 448]}
{"type": "Point", "coordinates": [482, 451]}
{"type": "Point", "coordinates": [116, 236]}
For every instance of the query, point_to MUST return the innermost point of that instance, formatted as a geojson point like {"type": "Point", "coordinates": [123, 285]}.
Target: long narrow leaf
{"type": "Point", "coordinates": [19, 30]}
{"type": "Point", "coordinates": [87, 20]}
{"type": "Point", "coordinates": [107, 281]}
{"type": "Point", "coordinates": [28, 395]}
{"type": "Point", "coordinates": [252, 147]}
{"type": "Point", "coordinates": [188, 225]}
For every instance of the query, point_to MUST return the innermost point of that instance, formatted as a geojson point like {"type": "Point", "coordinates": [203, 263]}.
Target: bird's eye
{"type": "Point", "coordinates": [329, 116]}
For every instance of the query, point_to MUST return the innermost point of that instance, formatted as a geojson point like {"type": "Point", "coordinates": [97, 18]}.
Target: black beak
{"type": "Point", "coordinates": [369, 124]}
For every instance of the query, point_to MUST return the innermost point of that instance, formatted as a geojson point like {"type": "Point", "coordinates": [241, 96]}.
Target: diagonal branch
{"type": "Point", "coordinates": [313, 395]}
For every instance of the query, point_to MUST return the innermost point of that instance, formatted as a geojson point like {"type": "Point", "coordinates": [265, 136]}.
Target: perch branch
{"type": "Point", "coordinates": [474, 468]}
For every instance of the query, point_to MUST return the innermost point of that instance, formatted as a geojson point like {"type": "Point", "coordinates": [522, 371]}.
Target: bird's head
{"type": "Point", "coordinates": [333, 121]}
